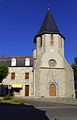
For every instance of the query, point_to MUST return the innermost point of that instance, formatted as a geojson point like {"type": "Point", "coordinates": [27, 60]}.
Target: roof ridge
{"type": "Point", "coordinates": [17, 57]}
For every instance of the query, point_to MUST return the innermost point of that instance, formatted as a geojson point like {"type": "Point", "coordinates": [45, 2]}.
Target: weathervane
{"type": "Point", "coordinates": [48, 5]}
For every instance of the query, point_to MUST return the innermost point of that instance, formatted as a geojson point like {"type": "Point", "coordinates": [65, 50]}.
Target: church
{"type": "Point", "coordinates": [46, 73]}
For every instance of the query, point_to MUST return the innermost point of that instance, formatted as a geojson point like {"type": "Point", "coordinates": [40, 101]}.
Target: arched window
{"type": "Point", "coordinates": [52, 63]}
{"type": "Point", "coordinates": [52, 41]}
{"type": "Point", "coordinates": [13, 62]}
{"type": "Point", "coordinates": [27, 62]}
{"type": "Point", "coordinates": [40, 41]}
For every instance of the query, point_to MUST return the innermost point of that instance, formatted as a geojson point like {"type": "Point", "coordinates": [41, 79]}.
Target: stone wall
{"type": "Point", "coordinates": [69, 81]}
{"type": "Point", "coordinates": [52, 76]}
{"type": "Point", "coordinates": [20, 78]}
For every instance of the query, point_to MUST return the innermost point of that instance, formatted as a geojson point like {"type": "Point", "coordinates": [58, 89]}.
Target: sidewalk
{"type": "Point", "coordinates": [61, 100]}
{"type": "Point", "coordinates": [56, 100]}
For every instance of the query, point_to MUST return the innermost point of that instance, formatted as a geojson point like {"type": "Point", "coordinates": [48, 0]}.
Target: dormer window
{"type": "Point", "coordinates": [27, 62]}
{"type": "Point", "coordinates": [13, 62]}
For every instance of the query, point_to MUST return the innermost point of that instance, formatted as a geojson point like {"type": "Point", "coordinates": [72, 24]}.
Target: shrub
{"type": "Point", "coordinates": [7, 97]}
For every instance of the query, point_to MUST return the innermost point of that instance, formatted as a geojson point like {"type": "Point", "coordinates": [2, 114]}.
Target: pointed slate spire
{"type": "Point", "coordinates": [49, 26]}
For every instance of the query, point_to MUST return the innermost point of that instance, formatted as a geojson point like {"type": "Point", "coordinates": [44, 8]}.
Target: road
{"type": "Point", "coordinates": [21, 112]}
{"type": "Point", "coordinates": [37, 110]}
{"type": "Point", "coordinates": [56, 111]}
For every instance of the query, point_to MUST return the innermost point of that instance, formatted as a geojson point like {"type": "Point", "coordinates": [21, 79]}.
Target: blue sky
{"type": "Point", "coordinates": [20, 20]}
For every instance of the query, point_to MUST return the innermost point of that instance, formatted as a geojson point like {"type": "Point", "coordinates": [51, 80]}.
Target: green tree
{"type": "Point", "coordinates": [3, 71]}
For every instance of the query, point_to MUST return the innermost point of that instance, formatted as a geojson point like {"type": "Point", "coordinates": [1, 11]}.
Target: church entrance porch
{"type": "Point", "coordinates": [52, 90]}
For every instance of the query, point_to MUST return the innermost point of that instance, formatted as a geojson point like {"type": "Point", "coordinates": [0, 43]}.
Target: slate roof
{"type": "Point", "coordinates": [20, 61]}
{"type": "Point", "coordinates": [49, 25]}
{"type": "Point", "coordinates": [6, 62]}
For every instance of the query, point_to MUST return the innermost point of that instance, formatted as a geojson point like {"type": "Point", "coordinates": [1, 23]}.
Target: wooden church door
{"type": "Point", "coordinates": [52, 90]}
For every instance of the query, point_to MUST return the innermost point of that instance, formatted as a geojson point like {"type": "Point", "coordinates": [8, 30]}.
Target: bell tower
{"type": "Point", "coordinates": [49, 38]}
{"type": "Point", "coordinates": [53, 75]}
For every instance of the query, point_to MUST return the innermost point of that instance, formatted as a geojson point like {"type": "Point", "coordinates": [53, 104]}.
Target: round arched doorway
{"type": "Point", "coordinates": [52, 90]}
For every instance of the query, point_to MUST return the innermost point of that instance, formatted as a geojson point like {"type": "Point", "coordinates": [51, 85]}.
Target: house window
{"type": "Point", "coordinates": [26, 75]}
{"type": "Point", "coordinates": [52, 42]}
{"type": "Point", "coordinates": [12, 75]}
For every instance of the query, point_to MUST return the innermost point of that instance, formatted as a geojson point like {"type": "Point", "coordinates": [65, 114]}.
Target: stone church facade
{"type": "Point", "coordinates": [46, 73]}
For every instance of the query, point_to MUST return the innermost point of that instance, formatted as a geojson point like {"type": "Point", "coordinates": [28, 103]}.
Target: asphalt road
{"type": "Point", "coordinates": [56, 111]}
{"type": "Point", "coordinates": [21, 112]}
{"type": "Point", "coordinates": [35, 110]}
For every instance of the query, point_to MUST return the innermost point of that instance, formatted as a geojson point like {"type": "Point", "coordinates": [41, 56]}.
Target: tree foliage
{"type": "Point", "coordinates": [74, 66]}
{"type": "Point", "coordinates": [3, 71]}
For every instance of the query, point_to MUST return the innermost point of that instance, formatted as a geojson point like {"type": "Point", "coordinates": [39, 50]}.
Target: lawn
{"type": "Point", "coordinates": [12, 100]}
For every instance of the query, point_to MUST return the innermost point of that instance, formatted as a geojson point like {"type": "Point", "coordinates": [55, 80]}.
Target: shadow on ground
{"type": "Point", "coordinates": [21, 112]}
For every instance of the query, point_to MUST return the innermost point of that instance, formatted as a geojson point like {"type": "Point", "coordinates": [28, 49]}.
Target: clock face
{"type": "Point", "coordinates": [52, 63]}
{"type": "Point", "coordinates": [51, 50]}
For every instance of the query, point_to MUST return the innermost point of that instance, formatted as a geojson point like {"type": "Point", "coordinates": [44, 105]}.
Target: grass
{"type": "Point", "coordinates": [13, 101]}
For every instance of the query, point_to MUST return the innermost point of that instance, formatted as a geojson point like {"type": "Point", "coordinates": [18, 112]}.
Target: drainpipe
{"type": "Point", "coordinates": [33, 81]}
